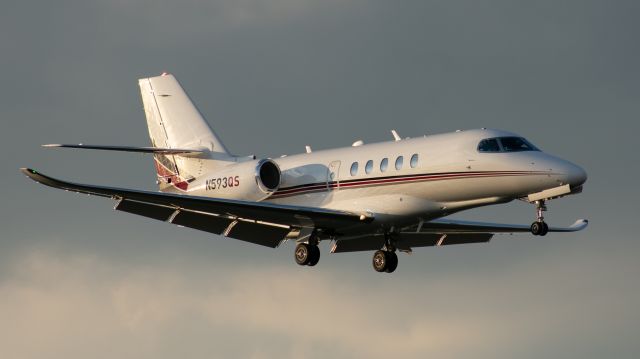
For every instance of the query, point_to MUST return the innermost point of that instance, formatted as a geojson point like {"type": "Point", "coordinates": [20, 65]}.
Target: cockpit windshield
{"type": "Point", "coordinates": [516, 144]}
{"type": "Point", "coordinates": [506, 144]}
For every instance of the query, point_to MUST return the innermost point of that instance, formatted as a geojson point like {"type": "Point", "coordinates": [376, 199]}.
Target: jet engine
{"type": "Point", "coordinates": [251, 181]}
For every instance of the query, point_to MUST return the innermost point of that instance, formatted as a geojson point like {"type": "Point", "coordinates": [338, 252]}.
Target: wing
{"type": "Point", "coordinates": [256, 222]}
{"type": "Point", "coordinates": [442, 232]}
{"type": "Point", "coordinates": [456, 226]}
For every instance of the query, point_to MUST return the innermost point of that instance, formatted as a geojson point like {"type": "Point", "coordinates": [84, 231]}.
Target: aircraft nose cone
{"type": "Point", "coordinates": [576, 175]}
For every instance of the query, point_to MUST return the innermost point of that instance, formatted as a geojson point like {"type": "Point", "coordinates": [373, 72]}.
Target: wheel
{"type": "Point", "coordinates": [380, 261]}
{"type": "Point", "coordinates": [314, 255]}
{"type": "Point", "coordinates": [302, 254]}
{"type": "Point", "coordinates": [537, 228]}
{"type": "Point", "coordinates": [545, 229]}
{"type": "Point", "coordinates": [392, 262]}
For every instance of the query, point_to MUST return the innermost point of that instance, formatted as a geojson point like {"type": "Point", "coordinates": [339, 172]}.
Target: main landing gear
{"type": "Point", "coordinates": [539, 227]}
{"type": "Point", "coordinates": [307, 254]}
{"type": "Point", "coordinates": [386, 259]}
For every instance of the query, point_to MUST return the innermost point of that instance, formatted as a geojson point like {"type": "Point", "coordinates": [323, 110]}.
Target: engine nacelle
{"type": "Point", "coordinates": [250, 181]}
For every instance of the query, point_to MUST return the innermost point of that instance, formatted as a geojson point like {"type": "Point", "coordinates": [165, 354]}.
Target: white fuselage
{"type": "Point", "coordinates": [450, 175]}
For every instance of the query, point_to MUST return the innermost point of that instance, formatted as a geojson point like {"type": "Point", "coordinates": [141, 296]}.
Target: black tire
{"type": "Point", "coordinates": [302, 254]}
{"type": "Point", "coordinates": [545, 229]}
{"type": "Point", "coordinates": [379, 261]}
{"type": "Point", "coordinates": [536, 228]}
{"type": "Point", "coordinates": [314, 255]}
{"type": "Point", "coordinates": [392, 262]}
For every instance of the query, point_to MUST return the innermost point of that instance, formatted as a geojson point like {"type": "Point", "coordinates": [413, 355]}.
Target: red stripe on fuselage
{"type": "Point", "coordinates": [318, 187]}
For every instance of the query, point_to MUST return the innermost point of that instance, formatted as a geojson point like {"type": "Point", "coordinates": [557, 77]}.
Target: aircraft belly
{"type": "Point", "coordinates": [314, 199]}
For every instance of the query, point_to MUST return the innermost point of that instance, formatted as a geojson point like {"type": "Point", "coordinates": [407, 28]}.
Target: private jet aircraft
{"type": "Point", "coordinates": [383, 197]}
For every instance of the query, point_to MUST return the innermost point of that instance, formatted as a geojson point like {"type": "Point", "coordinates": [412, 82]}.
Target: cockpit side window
{"type": "Point", "coordinates": [516, 144]}
{"type": "Point", "coordinates": [489, 145]}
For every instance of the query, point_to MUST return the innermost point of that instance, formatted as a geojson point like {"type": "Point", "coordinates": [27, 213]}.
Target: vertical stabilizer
{"type": "Point", "coordinates": [175, 122]}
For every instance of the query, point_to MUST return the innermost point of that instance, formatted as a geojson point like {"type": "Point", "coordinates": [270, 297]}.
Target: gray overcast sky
{"type": "Point", "coordinates": [78, 279]}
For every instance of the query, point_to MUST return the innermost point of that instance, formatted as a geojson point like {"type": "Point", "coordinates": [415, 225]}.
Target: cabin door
{"type": "Point", "coordinates": [333, 178]}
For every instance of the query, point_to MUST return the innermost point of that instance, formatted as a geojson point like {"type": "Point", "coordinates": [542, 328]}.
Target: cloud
{"type": "Point", "coordinates": [78, 305]}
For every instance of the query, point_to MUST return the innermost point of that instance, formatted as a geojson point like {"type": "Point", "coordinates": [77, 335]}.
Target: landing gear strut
{"type": "Point", "coordinates": [307, 254]}
{"type": "Point", "coordinates": [539, 227]}
{"type": "Point", "coordinates": [385, 260]}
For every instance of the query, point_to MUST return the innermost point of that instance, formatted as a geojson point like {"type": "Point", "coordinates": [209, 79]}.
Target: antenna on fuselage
{"type": "Point", "coordinates": [307, 148]}
{"type": "Point", "coordinates": [395, 135]}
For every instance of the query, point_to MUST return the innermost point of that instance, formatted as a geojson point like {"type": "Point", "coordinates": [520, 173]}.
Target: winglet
{"type": "Point", "coordinates": [49, 181]}
{"type": "Point", "coordinates": [579, 225]}
{"type": "Point", "coordinates": [576, 226]}
{"type": "Point", "coordinates": [35, 176]}
{"type": "Point", "coordinates": [28, 172]}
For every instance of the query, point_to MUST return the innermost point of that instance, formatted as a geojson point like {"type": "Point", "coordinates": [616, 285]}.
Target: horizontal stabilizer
{"type": "Point", "coordinates": [168, 151]}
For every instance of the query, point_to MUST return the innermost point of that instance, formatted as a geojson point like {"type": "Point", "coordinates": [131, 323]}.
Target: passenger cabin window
{"type": "Point", "coordinates": [354, 168]}
{"type": "Point", "coordinates": [414, 161]}
{"type": "Point", "coordinates": [506, 144]}
{"type": "Point", "coordinates": [384, 164]}
{"type": "Point", "coordinates": [399, 163]}
{"type": "Point", "coordinates": [368, 167]}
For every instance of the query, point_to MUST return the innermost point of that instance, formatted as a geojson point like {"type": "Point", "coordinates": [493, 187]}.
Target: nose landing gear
{"type": "Point", "coordinates": [539, 227]}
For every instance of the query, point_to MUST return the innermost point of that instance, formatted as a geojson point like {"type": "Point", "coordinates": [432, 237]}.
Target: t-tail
{"type": "Point", "coordinates": [183, 145]}
{"type": "Point", "coordinates": [174, 122]}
